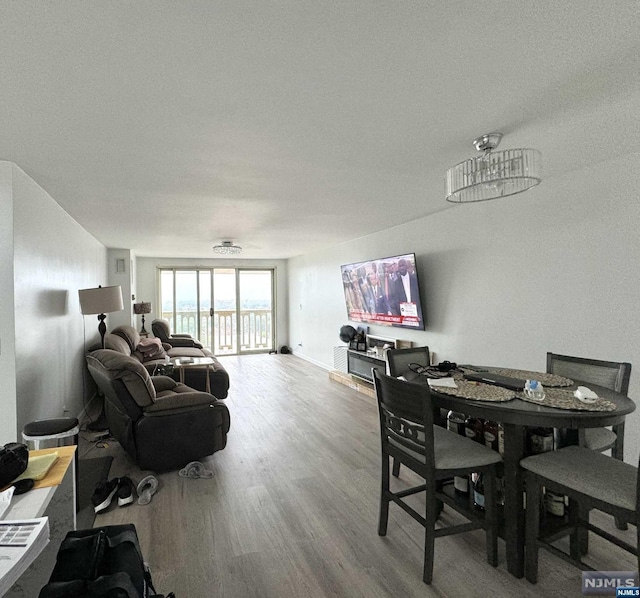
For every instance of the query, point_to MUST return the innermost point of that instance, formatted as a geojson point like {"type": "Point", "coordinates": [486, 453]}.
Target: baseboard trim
{"type": "Point", "coordinates": [324, 366]}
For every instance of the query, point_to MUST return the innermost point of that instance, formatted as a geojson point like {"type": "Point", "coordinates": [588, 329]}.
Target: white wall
{"type": "Point", "coordinates": [125, 280]}
{"type": "Point", "coordinates": [146, 285]}
{"type": "Point", "coordinates": [8, 421]}
{"type": "Point", "coordinates": [505, 281]}
{"type": "Point", "coordinates": [53, 257]}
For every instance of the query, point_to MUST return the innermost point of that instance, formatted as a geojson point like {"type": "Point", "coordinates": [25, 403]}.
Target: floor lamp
{"type": "Point", "coordinates": [100, 301]}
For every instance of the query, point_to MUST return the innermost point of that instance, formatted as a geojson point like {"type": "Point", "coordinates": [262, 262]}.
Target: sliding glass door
{"type": "Point", "coordinates": [231, 310]}
{"type": "Point", "coordinates": [255, 290]}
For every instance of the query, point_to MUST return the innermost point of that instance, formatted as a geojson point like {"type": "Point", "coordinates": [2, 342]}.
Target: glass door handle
{"type": "Point", "coordinates": [211, 311]}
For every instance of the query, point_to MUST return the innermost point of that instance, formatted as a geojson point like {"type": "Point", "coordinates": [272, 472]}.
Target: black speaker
{"type": "Point", "coordinates": [347, 333]}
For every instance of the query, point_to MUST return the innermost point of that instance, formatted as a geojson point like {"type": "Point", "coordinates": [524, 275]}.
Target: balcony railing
{"type": "Point", "coordinates": [256, 329]}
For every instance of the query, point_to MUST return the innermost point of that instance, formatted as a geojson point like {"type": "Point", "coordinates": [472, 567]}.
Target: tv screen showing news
{"type": "Point", "coordinates": [384, 291]}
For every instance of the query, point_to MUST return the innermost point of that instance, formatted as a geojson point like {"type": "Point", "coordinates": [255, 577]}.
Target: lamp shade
{"type": "Point", "coordinates": [142, 308]}
{"type": "Point", "coordinates": [101, 300]}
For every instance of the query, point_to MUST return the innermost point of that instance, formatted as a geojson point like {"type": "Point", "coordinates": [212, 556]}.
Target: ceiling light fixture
{"type": "Point", "coordinates": [493, 174]}
{"type": "Point", "coordinates": [227, 248]}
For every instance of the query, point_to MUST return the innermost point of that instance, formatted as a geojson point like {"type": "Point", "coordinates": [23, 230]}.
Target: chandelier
{"type": "Point", "coordinates": [493, 174]}
{"type": "Point", "coordinates": [227, 248]}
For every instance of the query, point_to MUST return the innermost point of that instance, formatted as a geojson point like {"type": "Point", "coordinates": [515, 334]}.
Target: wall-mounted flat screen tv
{"type": "Point", "coordinates": [384, 291]}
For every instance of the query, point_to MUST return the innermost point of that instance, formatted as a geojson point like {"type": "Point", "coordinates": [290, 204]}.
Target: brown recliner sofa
{"type": "Point", "coordinates": [161, 424]}
{"type": "Point", "coordinates": [126, 340]}
{"type": "Point", "coordinates": [161, 330]}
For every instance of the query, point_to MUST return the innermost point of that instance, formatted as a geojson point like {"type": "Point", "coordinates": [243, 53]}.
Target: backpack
{"type": "Point", "coordinates": [14, 459]}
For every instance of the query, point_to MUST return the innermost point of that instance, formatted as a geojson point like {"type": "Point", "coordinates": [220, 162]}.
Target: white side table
{"type": "Point", "coordinates": [182, 363]}
{"type": "Point", "coordinates": [58, 503]}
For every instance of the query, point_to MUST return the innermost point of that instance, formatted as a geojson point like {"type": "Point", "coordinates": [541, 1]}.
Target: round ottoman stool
{"type": "Point", "coordinates": [51, 433]}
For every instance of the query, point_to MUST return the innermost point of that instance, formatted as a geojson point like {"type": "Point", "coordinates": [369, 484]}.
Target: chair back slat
{"type": "Point", "coordinates": [411, 436]}
{"type": "Point", "coordinates": [608, 374]}
{"type": "Point", "coordinates": [406, 415]}
{"type": "Point", "coordinates": [399, 359]}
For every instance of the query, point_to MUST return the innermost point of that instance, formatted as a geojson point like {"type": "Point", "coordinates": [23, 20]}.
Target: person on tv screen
{"type": "Point", "coordinates": [405, 293]}
{"type": "Point", "coordinates": [378, 303]}
{"type": "Point", "coordinates": [353, 293]}
{"type": "Point", "coordinates": [363, 287]}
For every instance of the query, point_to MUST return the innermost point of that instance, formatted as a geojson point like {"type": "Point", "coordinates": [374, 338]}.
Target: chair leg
{"type": "Point", "coordinates": [490, 517]}
{"type": "Point", "coordinates": [579, 539]}
{"type": "Point", "coordinates": [439, 508]}
{"type": "Point", "coordinates": [617, 452]}
{"type": "Point", "coordinates": [383, 517]}
{"type": "Point", "coordinates": [532, 528]}
{"type": "Point", "coordinates": [429, 538]}
{"type": "Point", "coordinates": [396, 468]}
{"type": "Point", "coordinates": [577, 536]}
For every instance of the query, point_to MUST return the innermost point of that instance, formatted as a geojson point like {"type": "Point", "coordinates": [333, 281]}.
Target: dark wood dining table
{"type": "Point", "coordinates": [517, 415]}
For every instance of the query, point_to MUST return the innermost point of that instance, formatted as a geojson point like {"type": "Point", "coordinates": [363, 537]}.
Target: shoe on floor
{"type": "Point", "coordinates": [125, 491]}
{"type": "Point", "coordinates": [104, 493]}
{"type": "Point", "coordinates": [146, 489]}
{"type": "Point", "coordinates": [195, 469]}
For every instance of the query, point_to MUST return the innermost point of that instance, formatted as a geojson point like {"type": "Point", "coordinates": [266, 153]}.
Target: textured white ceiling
{"type": "Point", "coordinates": [166, 127]}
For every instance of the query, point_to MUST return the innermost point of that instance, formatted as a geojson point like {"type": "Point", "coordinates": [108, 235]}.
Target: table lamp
{"type": "Point", "coordinates": [101, 301]}
{"type": "Point", "coordinates": [141, 309]}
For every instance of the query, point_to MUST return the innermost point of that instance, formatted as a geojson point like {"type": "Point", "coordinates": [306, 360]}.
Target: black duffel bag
{"type": "Point", "coordinates": [14, 458]}
{"type": "Point", "coordinates": [104, 562]}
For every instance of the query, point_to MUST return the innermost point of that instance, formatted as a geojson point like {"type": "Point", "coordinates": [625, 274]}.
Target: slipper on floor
{"type": "Point", "coordinates": [146, 489]}
{"type": "Point", "coordinates": [195, 470]}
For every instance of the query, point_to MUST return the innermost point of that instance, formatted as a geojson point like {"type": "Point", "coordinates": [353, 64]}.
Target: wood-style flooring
{"type": "Point", "coordinates": [292, 508]}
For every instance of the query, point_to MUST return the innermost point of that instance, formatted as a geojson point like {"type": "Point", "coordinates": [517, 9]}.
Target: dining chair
{"type": "Point", "coordinates": [609, 374]}
{"type": "Point", "coordinates": [399, 361]}
{"type": "Point", "coordinates": [591, 480]}
{"type": "Point", "coordinates": [408, 435]}
{"type": "Point", "coordinates": [613, 375]}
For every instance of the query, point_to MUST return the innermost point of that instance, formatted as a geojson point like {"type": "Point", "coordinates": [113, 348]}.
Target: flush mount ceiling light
{"type": "Point", "coordinates": [227, 248]}
{"type": "Point", "coordinates": [493, 174]}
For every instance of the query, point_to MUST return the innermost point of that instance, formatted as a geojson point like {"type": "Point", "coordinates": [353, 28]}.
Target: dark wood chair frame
{"type": "Point", "coordinates": [406, 415]}
{"type": "Point", "coordinates": [620, 383]}
{"type": "Point", "coordinates": [399, 360]}
{"type": "Point", "coordinates": [579, 504]}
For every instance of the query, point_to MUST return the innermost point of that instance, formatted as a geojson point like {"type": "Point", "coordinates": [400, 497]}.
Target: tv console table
{"type": "Point", "coordinates": [359, 364]}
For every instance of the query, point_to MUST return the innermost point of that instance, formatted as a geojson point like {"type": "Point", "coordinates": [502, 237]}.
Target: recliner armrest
{"type": "Point", "coordinates": [161, 383]}
{"type": "Point", "coordinates": [184, 342]}
{"type": "Point", "coordinates": [184, 401]}
{"type": "Point", "coordinates": [181, 336]}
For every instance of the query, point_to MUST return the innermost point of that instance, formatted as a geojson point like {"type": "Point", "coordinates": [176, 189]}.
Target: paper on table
{"type": "Point", "coordinates": [5, 500]}
{"type": "Point", "coordinates": [20, 543]}
{"type": "Point", "coordinates": [38, 467]}
{"type": "Point", "coordinates": [447, 382]}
